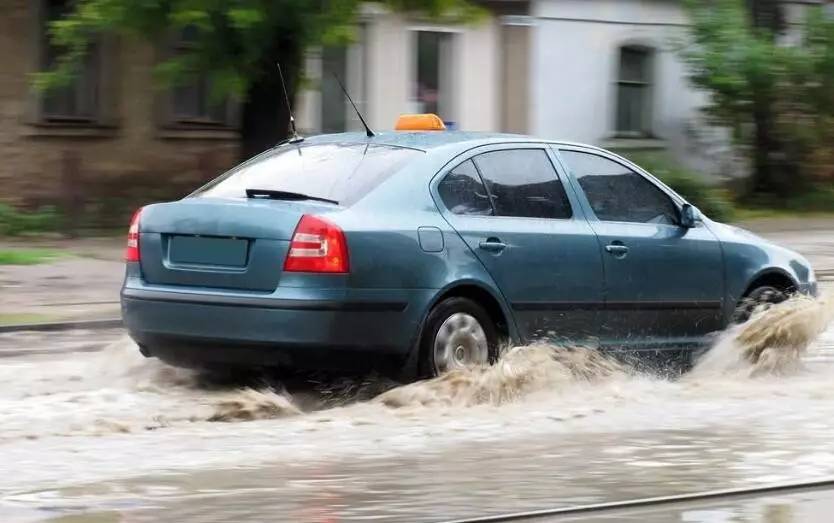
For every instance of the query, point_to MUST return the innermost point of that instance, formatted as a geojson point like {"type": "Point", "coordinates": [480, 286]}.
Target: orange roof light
{"type": "Point", "coordinates": [420, 122]}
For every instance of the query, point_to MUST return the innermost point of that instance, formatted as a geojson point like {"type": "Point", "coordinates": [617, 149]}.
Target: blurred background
{"type": "Point", "coordinates": [108, 105]}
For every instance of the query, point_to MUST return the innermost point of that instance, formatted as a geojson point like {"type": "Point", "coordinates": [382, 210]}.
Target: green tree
{"type": "Point", "coordinates": [773, 89]}
{"type": "Point", "coordinates": [735, 57]}
{"type": "Point", "coordinates": [238, 43]}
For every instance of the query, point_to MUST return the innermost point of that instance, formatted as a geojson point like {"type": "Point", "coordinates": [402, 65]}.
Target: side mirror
{"type": "Point", "coordinates": [690, 216]}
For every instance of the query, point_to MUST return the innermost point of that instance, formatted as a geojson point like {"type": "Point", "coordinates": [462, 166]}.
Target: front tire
{"type": "Point", "coordinates": [761, 297]}
{"type": "Point", "coordinates": [459, 333]}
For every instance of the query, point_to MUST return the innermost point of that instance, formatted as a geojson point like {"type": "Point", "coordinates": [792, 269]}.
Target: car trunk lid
{"type": "Point", "coordinates": [220, 243]}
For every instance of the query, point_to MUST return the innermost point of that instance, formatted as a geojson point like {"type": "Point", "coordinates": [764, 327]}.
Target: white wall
{"type": "Point", "coordinates": [478, 90]}
{"type": "Point", "coordinates": [392, 70]}
{"type": "Point", "coordinates": [576, 55]}
{"type": "Point", "coordinates": [575, 65]}
{"type": "Point", "coordinates": [389, 71]}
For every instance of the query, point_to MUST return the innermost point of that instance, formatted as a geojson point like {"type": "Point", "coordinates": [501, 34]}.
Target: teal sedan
{"type": "Point", "coordinates": [429, 251]}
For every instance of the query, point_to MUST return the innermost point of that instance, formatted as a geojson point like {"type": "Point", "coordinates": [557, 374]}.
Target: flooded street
{"type": "Point", "coordinates": [91, 431]}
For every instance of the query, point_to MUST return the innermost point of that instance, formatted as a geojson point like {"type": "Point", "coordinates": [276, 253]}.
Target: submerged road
{"type": "Point", "coordinates": [89, 429]}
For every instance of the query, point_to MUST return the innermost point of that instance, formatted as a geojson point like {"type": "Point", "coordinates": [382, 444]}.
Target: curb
{"type": "Point", "coordinates": [111, 323]}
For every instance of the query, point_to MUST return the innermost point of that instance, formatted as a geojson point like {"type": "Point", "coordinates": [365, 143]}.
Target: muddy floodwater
{"type": "Point", "coordinates": [91, 431]}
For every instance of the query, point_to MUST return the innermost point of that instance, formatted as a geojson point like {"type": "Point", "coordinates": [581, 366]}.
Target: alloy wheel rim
{"type": "Point", "coordinates": [460, 342]}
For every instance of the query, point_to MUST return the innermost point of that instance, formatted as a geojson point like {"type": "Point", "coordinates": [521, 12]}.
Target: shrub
{"type": "Point", "coordinates": [14, 222]}
{"type": "Point", "coordinates": [818, 198]}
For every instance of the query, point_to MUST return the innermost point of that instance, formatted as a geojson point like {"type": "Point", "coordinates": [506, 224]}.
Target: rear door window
{"type": "Point", "coordinates": [343, 172]}
{"type": "Point", "coordinates": [618, 194]}
{"type": "Point", "coordinates": [463, 192]}
{"type": "Point", "coordinates": [523, 183]}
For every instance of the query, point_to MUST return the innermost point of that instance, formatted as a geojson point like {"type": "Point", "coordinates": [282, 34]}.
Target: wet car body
{"type": "Point", "coordinates": [435, 225]}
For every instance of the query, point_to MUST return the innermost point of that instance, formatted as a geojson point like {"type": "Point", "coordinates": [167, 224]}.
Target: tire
{"type": "Point", "coordinates": [458, 333]}
{"type": "Point", "coordinates": [762, 296]}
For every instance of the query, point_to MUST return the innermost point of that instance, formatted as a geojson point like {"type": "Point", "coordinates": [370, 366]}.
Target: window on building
{"type": "Point", "coordinates": [618, 194]}
{"type": "Point", "coordinates": [463, 192]}
{"type": "Point", "coordinates": [634, 91]}
{"type": "Point", "coordinates": [77, 102]}
{"type": "Point", "coordinates": [523, 183]}
{"type": "Point", "coordinates": [435, 74]}
{"type": "Point", "coordinates": [194, 103]}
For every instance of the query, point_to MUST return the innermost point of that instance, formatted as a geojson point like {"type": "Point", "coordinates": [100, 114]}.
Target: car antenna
{"type": "Point", "coordinates": [295, 137]}
{"type": "Point", "coordinates": [368, 130]}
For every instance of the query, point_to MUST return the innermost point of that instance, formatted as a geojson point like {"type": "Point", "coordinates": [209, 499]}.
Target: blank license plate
{"type": "Point", "coordinates": [198, 250]}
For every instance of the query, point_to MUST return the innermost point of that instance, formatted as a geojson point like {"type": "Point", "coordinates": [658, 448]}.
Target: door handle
{"type": "Point", "coordinates": [617, 250]}
{"type": "Point", "coordinates": [492, 245]}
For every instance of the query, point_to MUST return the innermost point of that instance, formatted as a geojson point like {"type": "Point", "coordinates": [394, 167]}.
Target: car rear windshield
{"type": "Point", "coordinates": [343, 172]}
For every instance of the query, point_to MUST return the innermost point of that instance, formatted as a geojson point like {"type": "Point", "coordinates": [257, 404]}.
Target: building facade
{"type": "Point", "coordinates": [610, 73]}
{"type": "Point", "coordinates": [604, 72]}
{"type": "Point", "coordinates": [112, 136]}
{"type": "Point", "coordinates": [474, 76]}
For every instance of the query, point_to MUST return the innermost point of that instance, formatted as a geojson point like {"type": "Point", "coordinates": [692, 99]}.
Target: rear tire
{"type": "Point", "coordinates": [458, 333]}
{"type": "Point", "coordinates": [760, 297]}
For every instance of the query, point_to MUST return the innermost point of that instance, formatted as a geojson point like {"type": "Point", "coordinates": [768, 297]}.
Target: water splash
{"type": "Point", "coordinates": [772, 342]}
{"type": "Point", "coordinates": [119, 391]}
{"type": "Point", "coordinates": [251, 404]}
{"type": "Point", "coordinates": [520, 372]}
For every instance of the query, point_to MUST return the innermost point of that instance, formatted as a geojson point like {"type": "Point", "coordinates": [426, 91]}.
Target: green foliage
{"type": "Point", "coordinates": [777, 98]}
{"type": "Point", "coordinates": [819, 199]}
{"type": "Point", "coordinates": [28, 256]}
{"type": "Point", "coordinates": [14, 222]}
{"type": "Point", "coordinates": [711, 200]}
{"type": "Point", "coordinates": [731, 60]}
{"type": "Point", "coordinates": [235, 41]}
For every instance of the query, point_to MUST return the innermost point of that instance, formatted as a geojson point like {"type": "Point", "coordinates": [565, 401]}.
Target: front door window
{"type": "Point", "coordinates": [618, 194]}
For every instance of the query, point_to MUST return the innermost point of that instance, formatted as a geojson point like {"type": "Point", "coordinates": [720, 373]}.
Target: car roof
{"type": "Point", "coordinates": [427, 141]}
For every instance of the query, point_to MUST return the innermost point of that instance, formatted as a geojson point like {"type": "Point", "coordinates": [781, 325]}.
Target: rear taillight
{"type": "Point", "coordinates": [317, 246]}
{"type": "Point", "coordinates": [132, 249]}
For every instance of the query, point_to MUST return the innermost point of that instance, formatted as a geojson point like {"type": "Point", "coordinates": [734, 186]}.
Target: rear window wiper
{"type": "Point", "coordinates": [285, 195]}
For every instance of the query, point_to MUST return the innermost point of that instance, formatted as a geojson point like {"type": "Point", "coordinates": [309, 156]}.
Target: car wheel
{"type": "Point", "coordinates": [458, 334]}
{"type": "Point", "coordinates": [763, 296]}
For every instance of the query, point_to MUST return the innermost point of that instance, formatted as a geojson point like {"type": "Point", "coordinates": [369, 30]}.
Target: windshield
{"type": "Point", "coordinates": [343, 172]}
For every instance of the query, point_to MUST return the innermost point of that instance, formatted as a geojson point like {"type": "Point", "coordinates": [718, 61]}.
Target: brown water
{"type": "Point", "coordinates": [103, 432]}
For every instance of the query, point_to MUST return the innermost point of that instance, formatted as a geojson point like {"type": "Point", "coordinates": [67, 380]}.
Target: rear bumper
{"type": "Point", "coordinates": [330, 329]}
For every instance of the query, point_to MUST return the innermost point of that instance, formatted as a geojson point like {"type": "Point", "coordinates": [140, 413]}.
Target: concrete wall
{"type": "Point", "coordinates": [575, 59]}
{"type": "Point", "coordinates": [382, 67]}
{"type": "Point", "coordinates": [575, 67]}
{"type": "Point", "coordinates": [131, 150]}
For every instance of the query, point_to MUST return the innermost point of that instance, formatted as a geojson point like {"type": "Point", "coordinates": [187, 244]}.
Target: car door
{"type": "Point", "coordinates": [514, 212]}
{"type": "Point", "coordinates": [663, 282]}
